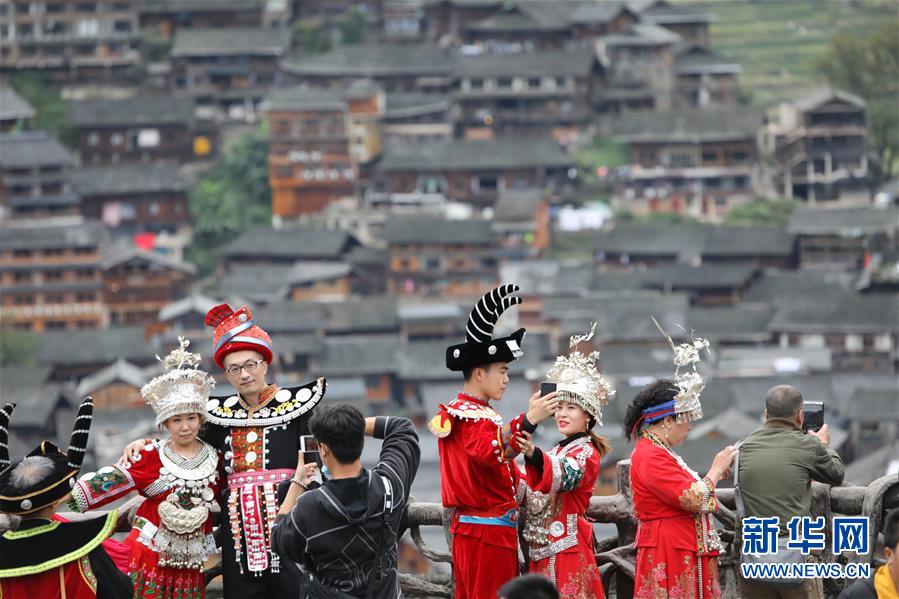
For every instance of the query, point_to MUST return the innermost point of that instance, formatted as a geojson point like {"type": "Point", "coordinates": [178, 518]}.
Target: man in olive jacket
{"type": "Point", "coordinates": [777, 464]}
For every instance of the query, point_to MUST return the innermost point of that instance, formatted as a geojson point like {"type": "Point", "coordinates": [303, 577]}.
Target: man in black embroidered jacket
{"type": "Point", "coordinates": [344, 533]}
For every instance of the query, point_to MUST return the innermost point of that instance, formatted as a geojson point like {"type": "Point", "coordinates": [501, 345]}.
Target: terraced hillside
{"type": "Point", "coordinates": [777, 41]}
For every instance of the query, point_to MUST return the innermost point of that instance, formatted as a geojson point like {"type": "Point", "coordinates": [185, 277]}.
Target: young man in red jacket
{"type": "Point", "coordinates": [479, 480]}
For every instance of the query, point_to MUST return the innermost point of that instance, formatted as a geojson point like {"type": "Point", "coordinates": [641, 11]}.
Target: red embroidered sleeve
{"type": "Point", "coordinates": [677, 487]}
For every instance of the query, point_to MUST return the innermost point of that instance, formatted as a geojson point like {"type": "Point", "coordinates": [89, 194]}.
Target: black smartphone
{"type": "Point", "coordinates": [814, 416]}
{"type": "Point", "coordinates": [308, 444]}
{"type": "Point", "coordinates": [547, 388]}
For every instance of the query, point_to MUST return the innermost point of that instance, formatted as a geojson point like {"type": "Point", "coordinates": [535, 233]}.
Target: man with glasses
{"type": "Point", "coordinates": [258, 430]}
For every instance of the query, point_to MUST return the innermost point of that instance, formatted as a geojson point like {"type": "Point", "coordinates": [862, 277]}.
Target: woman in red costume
{"type": "Point", "coordinates": [560, 481]}
{"type": "Point", "coordinates": [677, 544]}
{"type": "Point", "coordinates": [172, 534]}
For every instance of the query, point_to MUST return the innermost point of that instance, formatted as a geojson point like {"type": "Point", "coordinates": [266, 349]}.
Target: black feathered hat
{"type": "Point", "coordinates": [480, 348]}
{"type": "Point", "coordinates": [57, 483]}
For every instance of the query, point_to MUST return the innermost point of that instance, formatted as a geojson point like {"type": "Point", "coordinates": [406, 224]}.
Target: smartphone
{"type": "Point", "coordinates": [547, 388]}
{"type": "Point", "coordinates": [814, 416]}
{"type": "Point", "coordinates": [308, 444]}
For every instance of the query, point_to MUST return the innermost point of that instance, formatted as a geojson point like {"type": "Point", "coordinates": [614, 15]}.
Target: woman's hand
{"type": "Point", "coordinates": [722, 463]}
{"type": "Point", "coordinates": [526, 443]}
{"type": "Point", "coordinates": [132, 451]}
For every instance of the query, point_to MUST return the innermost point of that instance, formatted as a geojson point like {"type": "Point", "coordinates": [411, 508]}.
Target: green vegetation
{"type": "Point", "coordinates": [653, 218]}
{"type": "Point", "coordinates": [867, 64]}
{"type": "Point", "coordinates": [778, 41]}
{"type": "Point", "coordinates": [48, 104]}
{"type": "Point", "coordinates": [315, 37]}
{"type": "Point", "coordinates": [234, 196]}
{"type": "Point", "coordinates": [762, 211]}
{"type": "Point", "coordinates": [17, 348]}
{"type": "Point", "coordinates": [351, 26]}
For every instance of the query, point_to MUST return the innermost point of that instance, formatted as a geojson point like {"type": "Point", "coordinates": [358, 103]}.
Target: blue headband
{"type": "Point", "coordinates": [658, 412]}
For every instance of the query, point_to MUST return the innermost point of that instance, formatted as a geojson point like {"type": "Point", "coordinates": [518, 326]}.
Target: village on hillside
{"type": "Point", "coordinates": [358, 172]}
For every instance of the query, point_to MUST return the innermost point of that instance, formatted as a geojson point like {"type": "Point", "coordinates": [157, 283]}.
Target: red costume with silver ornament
{"type": "Point", "coordinates": [172, 533]}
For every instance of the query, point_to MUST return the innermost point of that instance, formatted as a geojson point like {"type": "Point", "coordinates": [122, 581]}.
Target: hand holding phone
{"type": "Point", "coordinates": [546, 389]}
{"type": "Point", "coordinates": [813, 418]}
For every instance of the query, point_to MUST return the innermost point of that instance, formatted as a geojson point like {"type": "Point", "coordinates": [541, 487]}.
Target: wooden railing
{"type": "Point", "coordinates": [616, 555]}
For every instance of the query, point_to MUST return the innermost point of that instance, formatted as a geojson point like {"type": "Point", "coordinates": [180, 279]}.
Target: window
{"type": "Point", "coordinates": [54, 298]}
{"type": "Point", "coordinates": [55, 325]}
{"type": "Point", "coordinates": [854, 343]}
{"type": "Point", "coordinates": [54, 252]}
{"type": "Point", "coordinates": [93, 139]}
{"type": "Point", "coordinates": [154, 208]}
{"type": "Point", "coordinates": [85, 296]}
{"type": "Point", "coordinates": [23, 326]}
{"type": "Point", "coordinates": [812, 341]}
{"type": "Point", "coordinates": [122, 27]}
{"type": "Point", "coordinates": [24, 300]}
{"type": "Point", "coordinates": [148, 138]}
{"type": "Point", "coordinates": [85, 274]}
{"type": "Point", "coordinates": [54, 275]}
{"type": "Point", "coordinates": [127, 211]}
{"type": "Point", "coordinates": [87, 28]}
{"type": "Point", "coordinates": [86, 7]}
{"type": "Point", "coordinates": [432, 263]}
{"type": "Point", "coordinates": [116, 139]}
{"type": "Point", "coordinates": [21, 253]}
{"type": "Point", "coordinates": [883, 343]}
{"type": "Point", "coordinates": [22, 277]}
{"type": "Point", "coordinates": [534, 82]}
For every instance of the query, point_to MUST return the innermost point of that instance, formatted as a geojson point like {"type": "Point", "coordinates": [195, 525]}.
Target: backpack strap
{"type": "Point", "coordinates": [738, 496]}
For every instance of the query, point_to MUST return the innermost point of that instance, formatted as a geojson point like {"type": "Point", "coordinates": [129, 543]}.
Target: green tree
{"type": "Point", "coordinates": [352, 26]}
{"type": "Point", "coordinates": [315, 37]}
{"type": "Point", "coordinates": [232, 197]}
{"type": "Point", "coordinates": [17, 348]}
{"type": "Point", "coordinates": [762, 211]}
{"type": "Point", "coordinates": [867, 64]}
{"type": "Point", "coordinates": [50, 108]}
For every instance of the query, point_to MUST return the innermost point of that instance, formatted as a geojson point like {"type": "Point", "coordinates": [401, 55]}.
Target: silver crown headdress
{"type": "Point", "coordinates": [183, 389]}
{"type": "Point", "coordinates": [578, 379]}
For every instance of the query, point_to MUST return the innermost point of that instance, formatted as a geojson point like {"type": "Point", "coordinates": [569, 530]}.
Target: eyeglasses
{"type": "Point", "coordinates": [248, 366]}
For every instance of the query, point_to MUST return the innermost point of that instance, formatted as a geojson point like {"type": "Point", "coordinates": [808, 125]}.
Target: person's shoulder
{"type": "Point", "coordinates": [860, 589]}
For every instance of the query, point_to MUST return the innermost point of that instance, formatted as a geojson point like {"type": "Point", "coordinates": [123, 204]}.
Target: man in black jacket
{"type": "Point", "coordinates": [885, 582]}
{"type": "Point", "coordinates": [344, 533]}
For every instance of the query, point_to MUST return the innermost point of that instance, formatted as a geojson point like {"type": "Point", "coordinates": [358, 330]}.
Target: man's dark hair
{"type": "Point", "coordinates": [342, 428]}
{"type": "Point", "coordinates": [891, 530]}
{"type": "Point", "coordinates": [783, 401]}
{"type": "Point", "coordinates": [529, 586]}
{"type": "Point", "coordinates": [467, 373]}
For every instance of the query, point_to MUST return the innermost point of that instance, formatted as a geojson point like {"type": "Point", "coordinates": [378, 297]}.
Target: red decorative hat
{"type": "Point", "coordinates": [235, 331]}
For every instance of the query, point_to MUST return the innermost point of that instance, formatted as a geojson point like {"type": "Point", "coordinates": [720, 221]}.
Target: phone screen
{"type": "Point", "coordinates": [814, 416]}
{"type": "Point", "coordinates": [308, 444]}
{"type": "Point", "coordinates": [547, 388]}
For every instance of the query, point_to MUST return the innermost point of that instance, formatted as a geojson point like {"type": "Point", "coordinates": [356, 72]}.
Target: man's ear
{"type": "Point", "coordinates": [800, 417]}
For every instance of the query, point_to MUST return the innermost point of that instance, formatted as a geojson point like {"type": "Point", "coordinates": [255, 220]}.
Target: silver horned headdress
{"type": "Point", "coordinates": [689, 383]}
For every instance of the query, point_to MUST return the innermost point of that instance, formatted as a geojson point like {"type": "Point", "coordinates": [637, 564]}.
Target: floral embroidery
{"type": "Point", "coordinates": [694, 498]}
{"type": "Point", "coordinates": [84, 564]}
{"type": "Point", "coordinates": [581, 583]}
{"type": "Point", "coordinates": [655, 585]}
{"type": "Point", "coordinates": [105, 482]}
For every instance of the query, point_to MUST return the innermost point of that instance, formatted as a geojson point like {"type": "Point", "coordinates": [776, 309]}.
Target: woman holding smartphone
{"type": "Point", "coordinates": [560, 481]}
